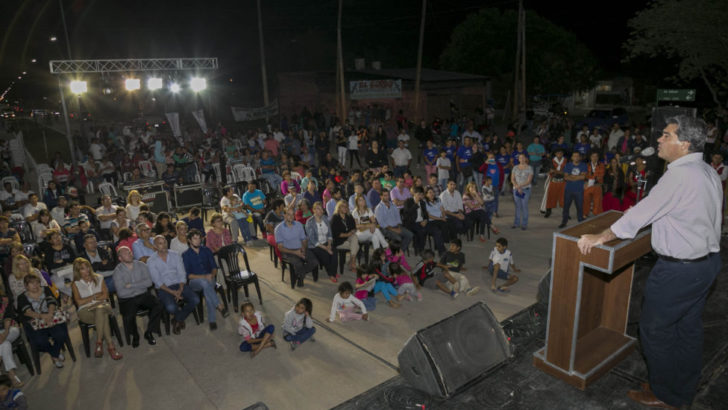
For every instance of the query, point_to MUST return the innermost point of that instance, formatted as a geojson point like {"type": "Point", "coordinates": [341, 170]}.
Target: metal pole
{"type": "Point", "coordinates": [262, 59]}
{"type": "Point", "coordinates": [68, 124]}
{"type": "Point", "coordinates": [418, 75]}
{"type": "Point", "coordinates": [65, 29]}
{"type": "Point", "coordinates": [523, 62]}
{"type": "Point", "coordinates": [516, 94]}
{"type": "Point", "coordinates": [340, 52]}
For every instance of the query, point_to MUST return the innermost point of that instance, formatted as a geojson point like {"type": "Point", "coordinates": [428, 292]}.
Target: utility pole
{"type": "Point", "coordinates": [340, 65]}
{"type": "Point", "coordinates": [418, 74]}
{"type": "Point", "coordinates": [519, 70]}
{"type": "Point", "coordinates": [523, 64]}
{"type": "Point", "coordinates": [262, 60]}
{"type": "Point", "coordinates": [71, 145]}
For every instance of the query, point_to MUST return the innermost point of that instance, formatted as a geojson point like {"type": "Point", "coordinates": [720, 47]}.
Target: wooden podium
{"type": "Point", "coordinates": [589, 302]}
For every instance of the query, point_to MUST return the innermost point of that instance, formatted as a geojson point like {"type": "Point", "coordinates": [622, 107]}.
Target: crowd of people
{"type": "Point", "coordinates": [311, 204]}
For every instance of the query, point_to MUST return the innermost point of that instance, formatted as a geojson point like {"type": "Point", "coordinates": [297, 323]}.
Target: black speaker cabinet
{"type": "Point", "coordinates": [187, 196]}
{"type": "Point", "coordinates": [446, 356]}
{"type": "Point", "coordinates": [157, 201]}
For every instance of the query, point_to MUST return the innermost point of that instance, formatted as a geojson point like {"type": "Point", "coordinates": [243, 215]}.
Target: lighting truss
{"type": "Point", "coordinates": [132, 65]}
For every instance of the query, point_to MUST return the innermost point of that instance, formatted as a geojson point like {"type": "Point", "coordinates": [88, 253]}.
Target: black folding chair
{"type": "Point", "coordinates": [235, 277]}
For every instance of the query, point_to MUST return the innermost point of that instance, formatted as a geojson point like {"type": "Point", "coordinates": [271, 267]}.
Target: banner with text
{"type": "Point", "coordinates": [251, 114]}
{"type": "Point", "coordinates": [200, 118]}
{"type": "Point", "coordinates": [173, 118]}
{"type": "Point", "coordinates": [360, 90]}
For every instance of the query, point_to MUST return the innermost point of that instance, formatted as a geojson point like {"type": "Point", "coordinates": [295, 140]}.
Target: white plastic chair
{"type": "Point", "coordinates": [218, 174]}
{"type": "Point", "coordinates": [44, 179]}
{"type": "Point", "coordinates": [13, 182]}
{"type": "Point", "coordinates": [43, 168]}
{"type": "Point", "coordinates": [147, 169]}
{"type": "Point", "coordinates": [107, 188]}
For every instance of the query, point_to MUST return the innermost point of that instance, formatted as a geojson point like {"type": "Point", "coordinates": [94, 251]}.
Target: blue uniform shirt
{"type": "Point", "coordinates": [571, 169]}
{"type": "Point", "coordinates": [464, 153]}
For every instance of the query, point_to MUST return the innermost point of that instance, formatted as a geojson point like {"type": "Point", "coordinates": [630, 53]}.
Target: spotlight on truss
{"type": "Point", "coordinates": [154, 83]}
{"type": "Point", "coordinates": [78, 87]}
{"type": "Point", "coordinates": [175, 88]}
{"type": "Point", "coordinates": [132, 84]}
{"type": "Point", "coordinates": [198, 84]}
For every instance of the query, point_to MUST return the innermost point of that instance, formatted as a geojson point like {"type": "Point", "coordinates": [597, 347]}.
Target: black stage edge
{"type": "Point", "coordinates": [519, 385]}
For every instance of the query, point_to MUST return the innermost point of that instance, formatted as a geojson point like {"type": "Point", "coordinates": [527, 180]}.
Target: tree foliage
{"type": "Point", "coordinates": [556, 60]}
{"type": "Point", "coordinates": [694, 32]}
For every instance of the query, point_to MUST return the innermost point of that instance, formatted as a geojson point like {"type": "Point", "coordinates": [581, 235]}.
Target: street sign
{"type": "Point", "coordinates": [676, 95]}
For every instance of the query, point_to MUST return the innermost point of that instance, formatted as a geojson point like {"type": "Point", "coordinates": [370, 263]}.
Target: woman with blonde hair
{"type": "Point", "coordinates": [92, 300]}
{"type": "Point", "coordinates": [133, 203]}
{"type": "Point", "coordinates": [366, 224]}
{"type": "Point", "coordinates": [179, 243]}
{"type": "Point", "coordinates": [21, 268]}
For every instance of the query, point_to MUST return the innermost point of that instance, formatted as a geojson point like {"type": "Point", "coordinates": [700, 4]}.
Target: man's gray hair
{"type": "Point", "coordinates": [690, 130]}
{"type": "Point", "coordinates": [141, 226]}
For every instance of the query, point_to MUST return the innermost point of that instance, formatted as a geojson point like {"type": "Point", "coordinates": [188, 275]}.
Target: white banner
{"type": "Point", "coordinates": [251, 114]}
{"type": "Point", "coordinates": [359, 90]}
{"type": "Point", "coordinates": [200, 118]}
{"type": "Point", "coordinates": [173, 118]}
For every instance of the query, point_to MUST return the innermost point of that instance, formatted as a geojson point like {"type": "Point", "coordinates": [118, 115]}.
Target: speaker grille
{"type": "Point", "coordinates": [454, 351]}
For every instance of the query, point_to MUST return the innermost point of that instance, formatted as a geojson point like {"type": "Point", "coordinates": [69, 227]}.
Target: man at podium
{"type": "Point", "coordinates": [684, 209]}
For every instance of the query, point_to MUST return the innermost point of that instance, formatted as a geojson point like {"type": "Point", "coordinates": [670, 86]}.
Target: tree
{"type": "Point", "coordinates": [485, 43]}
{"type": "Point", "coordinates": [693, 32]}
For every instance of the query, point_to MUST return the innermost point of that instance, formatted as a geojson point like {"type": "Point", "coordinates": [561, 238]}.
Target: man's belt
{"type": "Point", "coordinates": [671, 259]}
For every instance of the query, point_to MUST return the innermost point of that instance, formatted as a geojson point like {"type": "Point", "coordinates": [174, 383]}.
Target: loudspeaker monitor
{"type": "Point", "coordinates": [444, 357]}
{"type": "Point", "coordinates": [187, 196]}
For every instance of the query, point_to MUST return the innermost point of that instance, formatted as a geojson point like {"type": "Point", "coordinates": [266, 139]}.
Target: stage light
{"type": "Point", "coordinates": [198, 84]}
{"type": "Point", "coordinates": [154, 83]}
{"type": "Point", "coordinates": [53, 39]}
{"type": "Point", "coordinates": [175, 88]}
{"type": "Point", "coordinates": [78, 87]}
{"type": "Point", "coordinates": [132, 84]}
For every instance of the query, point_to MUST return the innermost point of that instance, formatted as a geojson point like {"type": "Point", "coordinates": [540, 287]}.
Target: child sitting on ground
{"type": "Point", "coordinates": [395, 255]}
{"type": "Point", "coordinates": [257, 335]}
{"type": "Point", "coordinates": [499, 264]}
{"type": "Point", "coordinates": [347, 306]}
{"type": "Point", "coordinates": [11, 398]}
{"type": "Point", "coordinates": [365, 288]}
{"type": "Point", "coordinates": [385, 283]}
{"type": "Point", "coordinates": [453, 261]}
{"type": "Point", "coordinates": [298, 324]}
{"type": "Point", "coordinates": [405, 285]}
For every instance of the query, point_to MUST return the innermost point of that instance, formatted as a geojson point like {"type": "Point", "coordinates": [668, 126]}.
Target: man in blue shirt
{"type": "Point", "coordinates": [143, 247]}
{"type": "Point", "coordinates": [268, 170]}
{"type": "Point", "coordinates": [574, 175]}
{"type": "Point", "coordinates": [254, 201]}
{"type": "Point", "coordinates": [293, 245]}
{"type": "Point", "coordinates": [390, 221]}
{"type": "Point", "coordinates": [536, 150]}
{"type": "Point", "coordinates": [374, 194]}
{"type": "Point", "coordinates": [464, 167]}
{"type": "Point", "coordinates": [201, 273]}
{"type": "Point", "coordinates": [561, 144]}
{"type": "Point", "coordinates": [583, 147]}
{"type": "Point", "coordinates": [506, 162]}
{"type": "Point", "coordinates": [169, 277]}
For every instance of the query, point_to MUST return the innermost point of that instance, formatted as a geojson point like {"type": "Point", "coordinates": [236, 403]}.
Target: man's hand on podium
{"type": "Point", "coordinates": [587, 242]}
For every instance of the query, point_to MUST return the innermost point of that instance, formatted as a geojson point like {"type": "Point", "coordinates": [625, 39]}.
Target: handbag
{"type": "Point", "coordinates": [467, 171]}
{"type": "Point", "coordinates": [59, 317]}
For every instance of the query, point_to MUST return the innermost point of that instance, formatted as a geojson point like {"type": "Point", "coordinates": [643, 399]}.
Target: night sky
{"type": "Point", "coordinates": [299, 34]}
